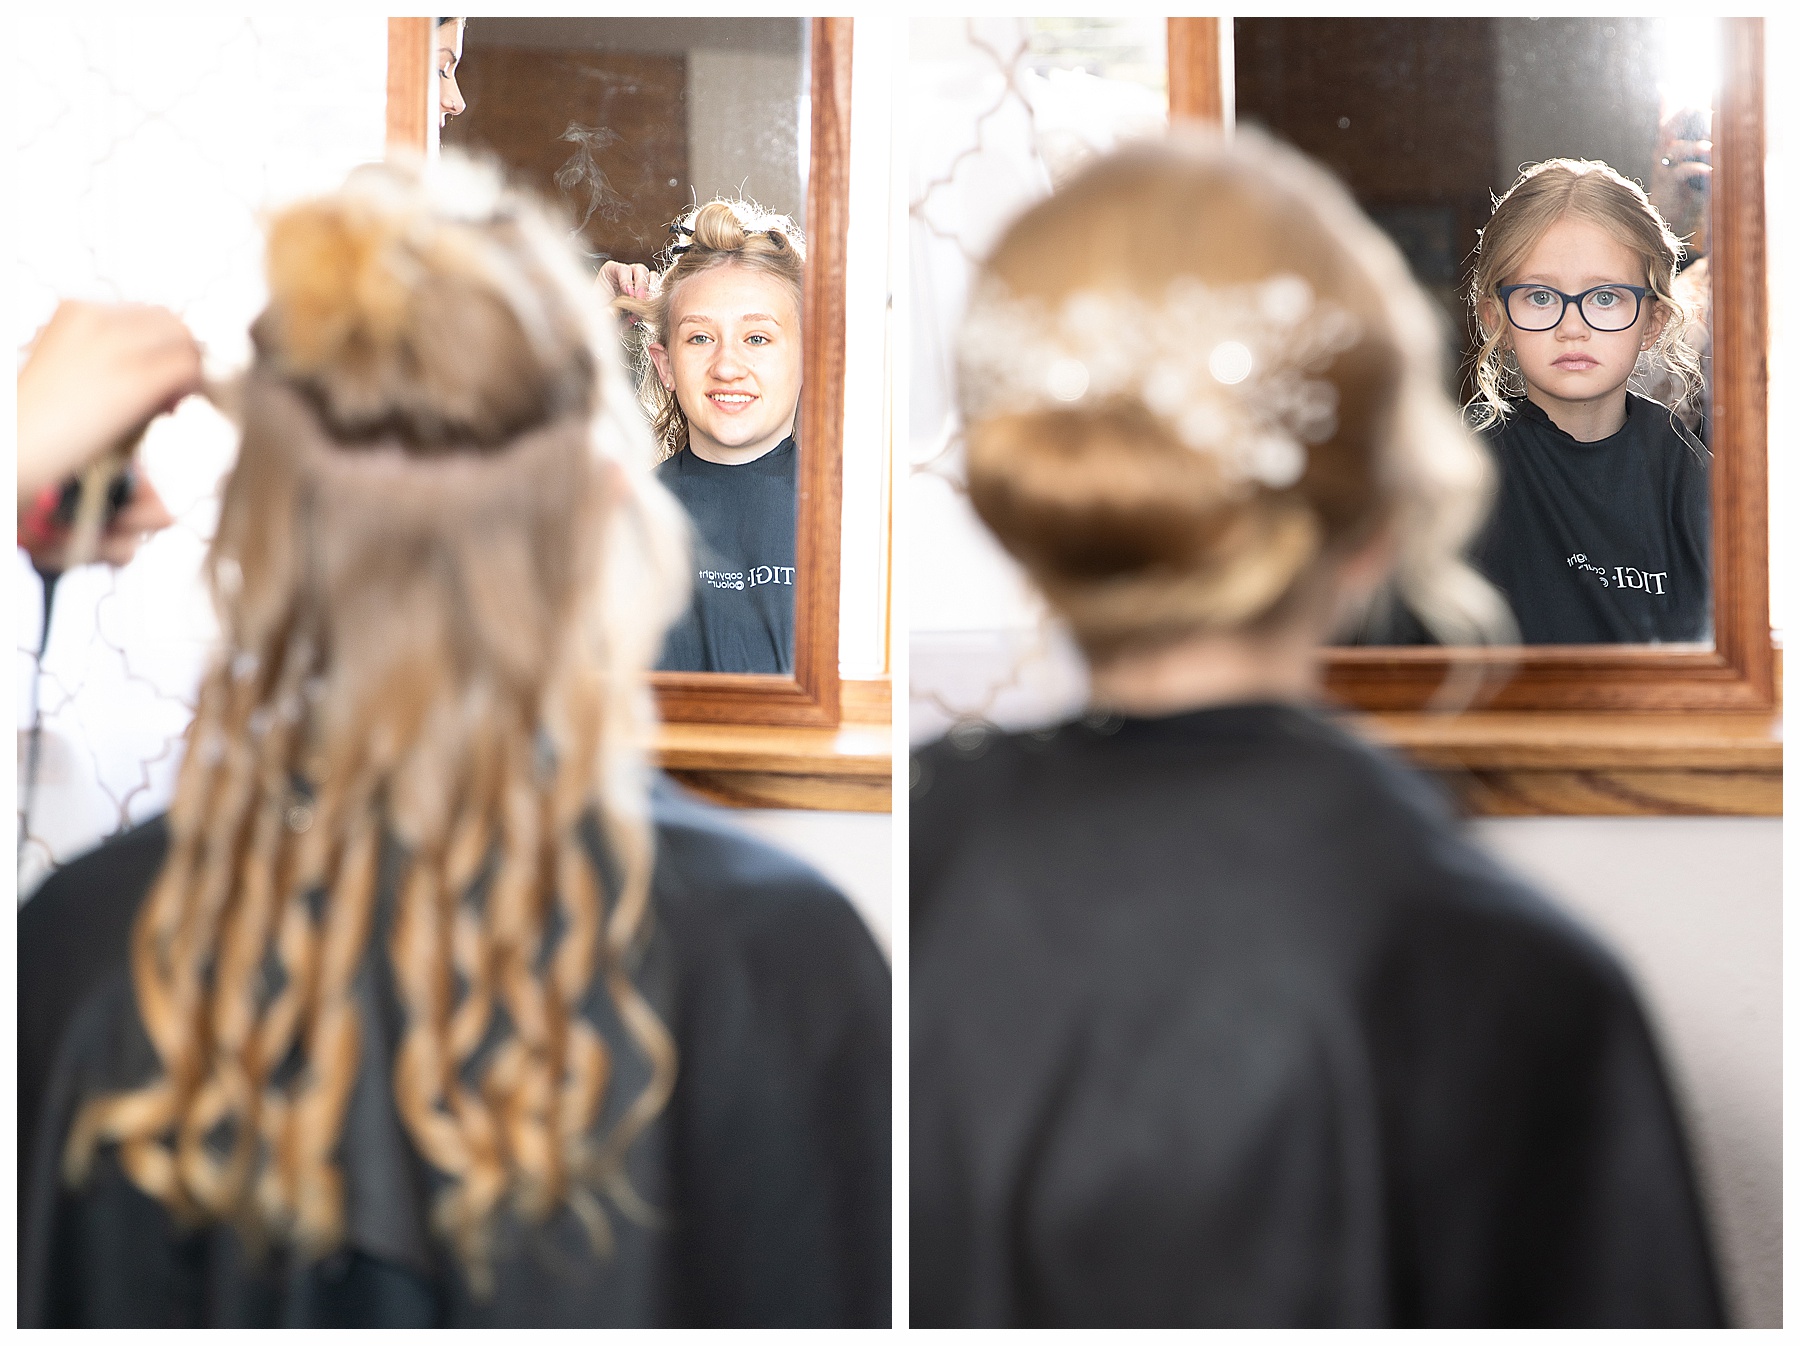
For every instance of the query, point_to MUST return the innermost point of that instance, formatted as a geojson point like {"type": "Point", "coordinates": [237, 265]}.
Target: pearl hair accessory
{"type": "Point", "coordinates": [1224, 367]}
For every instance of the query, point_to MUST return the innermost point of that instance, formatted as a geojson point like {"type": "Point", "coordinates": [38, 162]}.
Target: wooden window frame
{"type": "Point", "coordinates": [1591, 728]}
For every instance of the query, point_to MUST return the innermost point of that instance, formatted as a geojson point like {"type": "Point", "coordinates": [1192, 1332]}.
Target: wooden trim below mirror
{"type": "Point", "coordinates": [847, 768]}
{"type": "Point", "coordinates": [1525, 763]}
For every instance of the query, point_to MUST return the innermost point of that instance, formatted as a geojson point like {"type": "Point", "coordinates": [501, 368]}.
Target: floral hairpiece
{"type": "Point", "coordinates": [1226, 368]}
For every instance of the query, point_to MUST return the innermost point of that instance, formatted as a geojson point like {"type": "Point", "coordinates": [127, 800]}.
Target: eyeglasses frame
{"type": "Point", "coordinates": [1505, 292]}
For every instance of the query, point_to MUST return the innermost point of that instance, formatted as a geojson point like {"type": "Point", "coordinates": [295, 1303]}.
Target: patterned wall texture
{"type": "Point", "coordinates": [1005, 108]}
{"type": "Point", "coordinates": [146, 150]}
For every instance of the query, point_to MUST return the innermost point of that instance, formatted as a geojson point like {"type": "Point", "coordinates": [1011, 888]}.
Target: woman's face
{"type": "Point", "coordinates": [449, 40]}
{"type": "Point", "coordinates": [732, 354]}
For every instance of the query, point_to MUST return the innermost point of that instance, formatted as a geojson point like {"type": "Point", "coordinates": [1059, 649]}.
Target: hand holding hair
{"type": "Point", "coordinates": [632, 280]}
{"type": "Point", "coordinates": [96, 376]}
{"type": "Point", "coordinates": [96, 373]}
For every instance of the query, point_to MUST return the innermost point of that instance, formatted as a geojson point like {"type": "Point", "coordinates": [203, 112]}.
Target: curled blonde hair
{"type": "Point", "coordinates": [1138, 540]}
{"type": "Point", "coordinates": [440, 570]}
{"type": "Point", "coordinates": [1545, 193]}
{"type": "Point", "coordinates": [723, 232]}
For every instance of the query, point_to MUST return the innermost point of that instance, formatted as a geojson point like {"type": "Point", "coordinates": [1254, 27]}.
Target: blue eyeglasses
{"type": "Point", "coordinates": [1605, 308]}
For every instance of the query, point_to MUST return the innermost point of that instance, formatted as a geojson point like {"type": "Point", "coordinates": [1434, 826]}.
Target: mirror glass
{"type": "Point", "coordinates": [631, 124]}
{"type": "Point", "coordinates": [1601, 533]}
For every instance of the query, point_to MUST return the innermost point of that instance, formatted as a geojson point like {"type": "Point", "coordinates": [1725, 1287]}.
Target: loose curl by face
{"type": "Point", "coordinates": [720, 233]}
{"type": "Point", "coordinates": [440, 571]}
{"type": "Point", "coordinates": [1545, 193]}
{"type": "Point", "coordinates": [1139, 541]}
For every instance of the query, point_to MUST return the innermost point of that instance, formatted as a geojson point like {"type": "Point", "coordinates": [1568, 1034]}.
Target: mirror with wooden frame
{"type": "Point", "coordinates": [628, 125]}
{"type": "Point", "coordinates": [1398, 109]}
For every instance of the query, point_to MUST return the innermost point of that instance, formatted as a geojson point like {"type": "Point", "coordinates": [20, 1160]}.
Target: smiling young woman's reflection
{"type": "Point", "coordinates": [722, 359]}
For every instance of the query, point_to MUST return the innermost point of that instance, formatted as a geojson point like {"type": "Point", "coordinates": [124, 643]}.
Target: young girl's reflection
{"type": "Point", "coordinates": [1603, 523]}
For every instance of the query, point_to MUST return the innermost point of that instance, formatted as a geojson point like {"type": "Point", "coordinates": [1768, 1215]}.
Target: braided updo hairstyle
{"type": "Point", "coordinates": [1138, 540]}
{"type": "Point", "coordinates": [723, 232]}
{"type": "Point", "coordinates": [441, 569]}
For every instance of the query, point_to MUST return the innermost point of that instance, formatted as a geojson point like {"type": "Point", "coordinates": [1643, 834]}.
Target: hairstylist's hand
{"type": "Point", "coordinates": [143, 515]}
{"type": "Point", "coordinates": [1681, 180]}
{"type": "Point", "coordinates": [632, 280]}
{"type": "Point", "coordinates": [95, 374]}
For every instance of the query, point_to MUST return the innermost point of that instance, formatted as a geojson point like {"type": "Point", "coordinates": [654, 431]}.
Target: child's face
{"type": "Point", "coordinates": [1573, 363]}
{"type": "Point", "coordinates": [732, 355]}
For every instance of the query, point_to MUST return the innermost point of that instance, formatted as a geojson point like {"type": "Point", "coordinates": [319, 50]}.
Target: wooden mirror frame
{"type": "Point", "coordinates": [1738, 673]}
{"type": "Point", "coordinates": [810, 697]}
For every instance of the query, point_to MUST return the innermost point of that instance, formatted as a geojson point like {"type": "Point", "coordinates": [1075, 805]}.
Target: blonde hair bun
{"type": "Point", "coordinates": [734, 225]}
{"type": "Point", "coordinates": [421, 305]}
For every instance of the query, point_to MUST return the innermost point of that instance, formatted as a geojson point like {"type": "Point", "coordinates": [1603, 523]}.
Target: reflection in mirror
{"type": "Point", "coordinates": [1577, 297]}
{"type": "Point", "coordinates": [676, 147]}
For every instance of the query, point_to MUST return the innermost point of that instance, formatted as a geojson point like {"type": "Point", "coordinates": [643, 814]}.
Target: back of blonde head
{"type": "Point", "coordinates": [440, 573]}
{"type": "Point", "coordinates": [723, 232]}
{"type": "Point", "coordinates": [1138, 540]}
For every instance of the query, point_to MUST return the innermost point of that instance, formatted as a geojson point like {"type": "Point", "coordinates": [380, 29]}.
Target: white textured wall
{"type": "Point", "coordinates": [1693, 906]}
{"type": "Point", "coordinates": [148, 146]}
{"type": "Point", "coordinates": [853, 850]}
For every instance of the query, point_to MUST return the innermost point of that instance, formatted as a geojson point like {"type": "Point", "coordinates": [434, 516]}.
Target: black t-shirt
{"type": "Point", "coordinates": [1217, 1020]}
{"type": "Point", "coordinates": [1606, 541]}
{"type": "Point", "coordinates": [770, 1165]}
{"type": "Point", "coordinates": [742, 617]}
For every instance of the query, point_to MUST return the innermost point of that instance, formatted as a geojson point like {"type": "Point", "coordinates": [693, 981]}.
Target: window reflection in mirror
{"type": "Point", "coordinates": [1585, 358]}
{"type": "Point", "coordinates": [636, 126]}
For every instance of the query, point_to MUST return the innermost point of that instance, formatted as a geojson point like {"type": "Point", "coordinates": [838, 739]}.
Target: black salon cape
{"type": "Point", "coordinates": [742, 616]}
{"type": "Point", "coordinates": [1601, 542]}
{"type": "Point", "coordinates": [772, 1162]}
{"type": "Point", "coordinates": [1216, 1020]}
